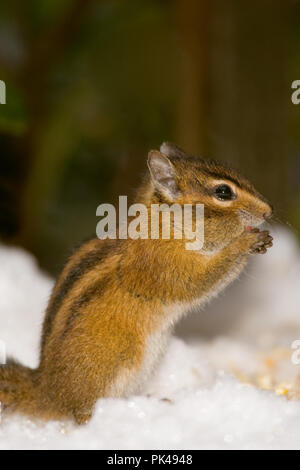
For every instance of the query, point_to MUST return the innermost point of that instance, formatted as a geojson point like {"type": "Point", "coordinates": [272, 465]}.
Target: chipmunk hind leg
{"type": "Point", "coordinates": [123, 383]}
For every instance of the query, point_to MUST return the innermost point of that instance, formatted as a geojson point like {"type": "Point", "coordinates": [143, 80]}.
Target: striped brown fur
{"type": "Point", "coordinates": [115, 302]}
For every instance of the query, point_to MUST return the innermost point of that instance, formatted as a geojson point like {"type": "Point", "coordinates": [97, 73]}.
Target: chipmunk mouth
{"type": "Point", "coordinates": [250, 221]}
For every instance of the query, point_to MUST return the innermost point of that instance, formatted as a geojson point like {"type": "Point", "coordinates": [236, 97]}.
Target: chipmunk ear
{"type": "Point", "coordinates": [163, 174]}
{"type": "Point", "coordinates": [172, 150]}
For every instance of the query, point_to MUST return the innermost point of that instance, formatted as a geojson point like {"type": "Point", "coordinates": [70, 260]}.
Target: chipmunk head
{"type": "Point", "coordinates": [231, 203]}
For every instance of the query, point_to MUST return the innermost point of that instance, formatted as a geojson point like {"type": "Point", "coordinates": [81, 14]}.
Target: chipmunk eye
{"type": "Point", "coordinates": [223, 192]}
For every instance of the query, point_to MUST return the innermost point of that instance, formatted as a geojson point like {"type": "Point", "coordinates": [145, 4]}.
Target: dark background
{"type": "Point", "coordinates": [93, 85]}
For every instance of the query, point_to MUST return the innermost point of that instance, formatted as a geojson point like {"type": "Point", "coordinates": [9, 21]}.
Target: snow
{"type": "Point", "coordinates": [226, 382]}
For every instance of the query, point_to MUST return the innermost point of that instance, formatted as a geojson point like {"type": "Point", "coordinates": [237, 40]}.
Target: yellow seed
{"type": "Point", "coordinates": [281, 391]}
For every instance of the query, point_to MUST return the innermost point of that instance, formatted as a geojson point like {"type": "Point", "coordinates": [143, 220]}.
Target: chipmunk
{"type": "Point", "coordinates": [113, 306]}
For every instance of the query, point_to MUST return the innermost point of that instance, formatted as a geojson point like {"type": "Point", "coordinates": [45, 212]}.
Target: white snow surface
{"type": "Point", "coordinates": [198, 398]}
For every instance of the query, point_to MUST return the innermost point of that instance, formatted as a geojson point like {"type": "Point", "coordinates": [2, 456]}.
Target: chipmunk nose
{"type": "Point", "coordinates": [268, 213]}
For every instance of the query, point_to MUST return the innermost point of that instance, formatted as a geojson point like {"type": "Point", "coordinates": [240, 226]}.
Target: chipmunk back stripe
{"type": "Point", "coordinates": [95, 290]}
{"type": "Point", "coordinates": [77, 272]}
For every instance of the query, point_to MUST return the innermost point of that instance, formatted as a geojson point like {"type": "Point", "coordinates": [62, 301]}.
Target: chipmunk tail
{"type": "Point", "coordinates": [18, 389]}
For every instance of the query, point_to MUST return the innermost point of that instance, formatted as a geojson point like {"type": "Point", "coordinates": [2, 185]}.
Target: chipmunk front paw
{"type": "Point", "coordinates": [262, 241]}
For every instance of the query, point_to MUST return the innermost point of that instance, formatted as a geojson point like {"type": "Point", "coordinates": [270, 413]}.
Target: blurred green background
{"type": "Point", "coordinates": [93, 85]}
